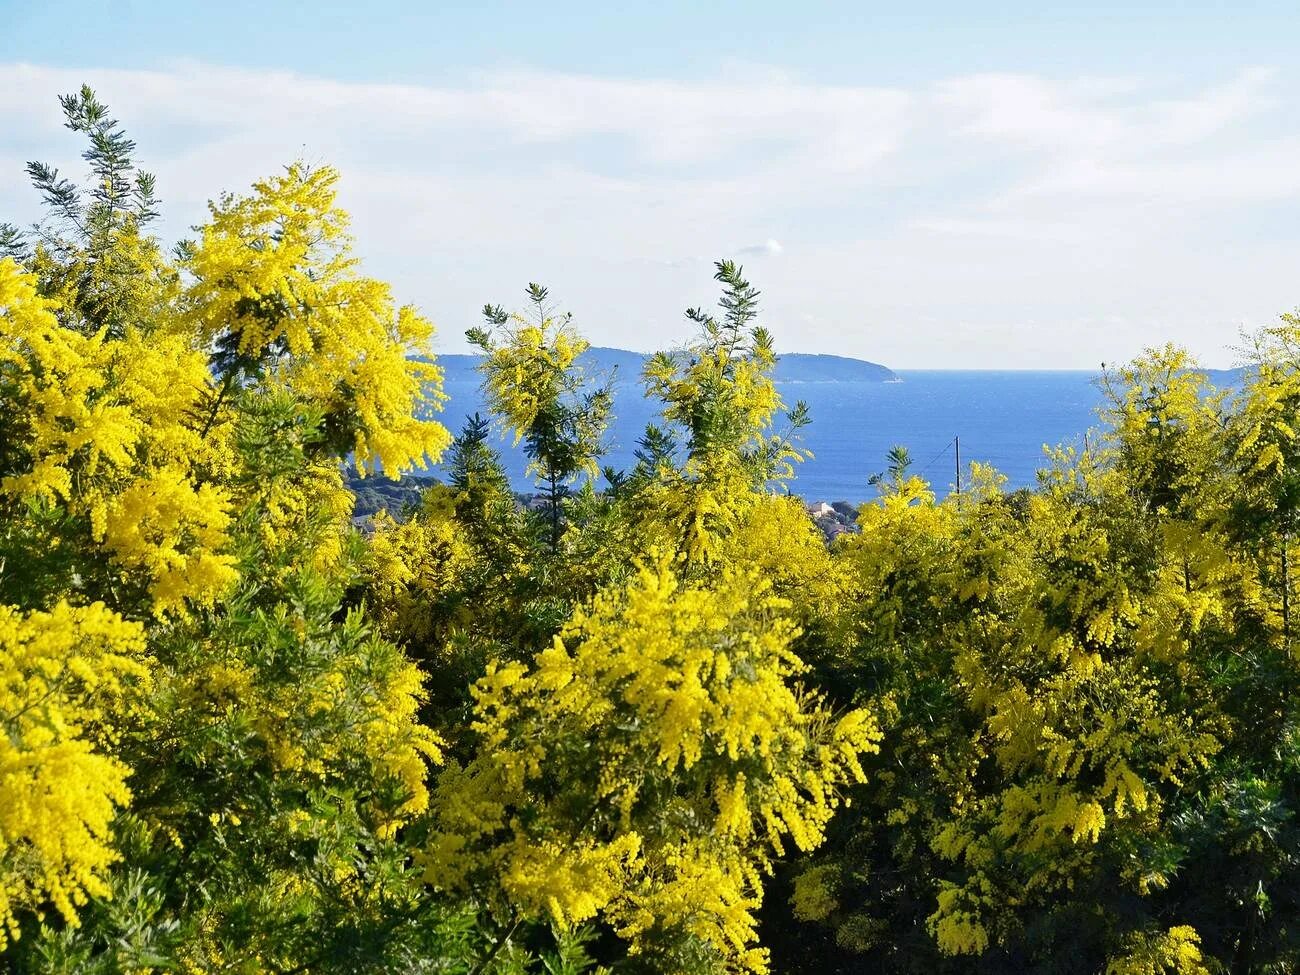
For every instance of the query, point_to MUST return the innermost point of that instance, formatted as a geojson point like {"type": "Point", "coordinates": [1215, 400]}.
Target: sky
{"type": "Point", "coordinates": [941, 185]}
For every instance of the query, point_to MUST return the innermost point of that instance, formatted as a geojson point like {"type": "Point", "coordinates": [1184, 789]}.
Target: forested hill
{"type": "Point", "coordinates": [795, 367]}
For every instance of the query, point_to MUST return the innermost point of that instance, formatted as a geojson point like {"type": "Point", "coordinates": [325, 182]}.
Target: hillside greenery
{"type": "Point", "coordinates": [654, 723]}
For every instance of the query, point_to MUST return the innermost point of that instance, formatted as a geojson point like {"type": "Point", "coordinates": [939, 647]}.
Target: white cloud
{"type": "Point", "coordinates": [769, 248]}
{"type": "Point", "coordinates": [984, 200]}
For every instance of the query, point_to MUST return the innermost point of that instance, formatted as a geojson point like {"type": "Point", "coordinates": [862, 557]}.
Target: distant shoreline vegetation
{"type": "Point", "coordinates": [400, 499]}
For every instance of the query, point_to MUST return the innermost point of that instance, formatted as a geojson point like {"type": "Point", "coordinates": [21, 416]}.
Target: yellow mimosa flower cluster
{"type": "Point", "coordinates": [65, 679]}
{"type": "Point", "coordinates": [686, 695]}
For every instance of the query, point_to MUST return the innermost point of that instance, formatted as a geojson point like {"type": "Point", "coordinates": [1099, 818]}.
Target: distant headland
{"type": "Point", "coordinates": [792, 367]}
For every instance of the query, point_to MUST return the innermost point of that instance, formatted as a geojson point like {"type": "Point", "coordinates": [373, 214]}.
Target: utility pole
{"type": "Point", "coordinates": [956, 442]}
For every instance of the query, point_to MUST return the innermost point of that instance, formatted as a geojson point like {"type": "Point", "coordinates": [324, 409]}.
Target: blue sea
{"type": "Point", "coordinates": [1004, 418]}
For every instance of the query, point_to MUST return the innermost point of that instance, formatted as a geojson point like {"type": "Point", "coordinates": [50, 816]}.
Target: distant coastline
{"type": "Point", "coordinates": [791, 367]}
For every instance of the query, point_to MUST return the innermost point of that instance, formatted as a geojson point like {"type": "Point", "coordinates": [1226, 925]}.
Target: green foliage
{"type": "Point", "coordinates": [895, 475]}
{"type": "Point", "coordinates": [92, 250]}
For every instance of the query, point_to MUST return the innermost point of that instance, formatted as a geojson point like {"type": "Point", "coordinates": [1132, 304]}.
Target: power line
{"type": "Point", "coordinates": [943, 452]}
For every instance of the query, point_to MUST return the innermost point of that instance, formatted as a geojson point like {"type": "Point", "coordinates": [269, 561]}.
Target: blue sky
{"type": "Point", "coordinates": [842, 42]}
{"type": "Point", "coordinates": [947, 185]}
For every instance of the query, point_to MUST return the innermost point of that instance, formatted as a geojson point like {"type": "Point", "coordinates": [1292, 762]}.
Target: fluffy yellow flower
{"type": "Point", "coordinates": [106, 433]}
{"type": "Point", "coordinates": [665, 722]}
{"type": "Point", "coordinates": [276, 285]}
{"type": "Point", "coordinates": [63, 675]}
